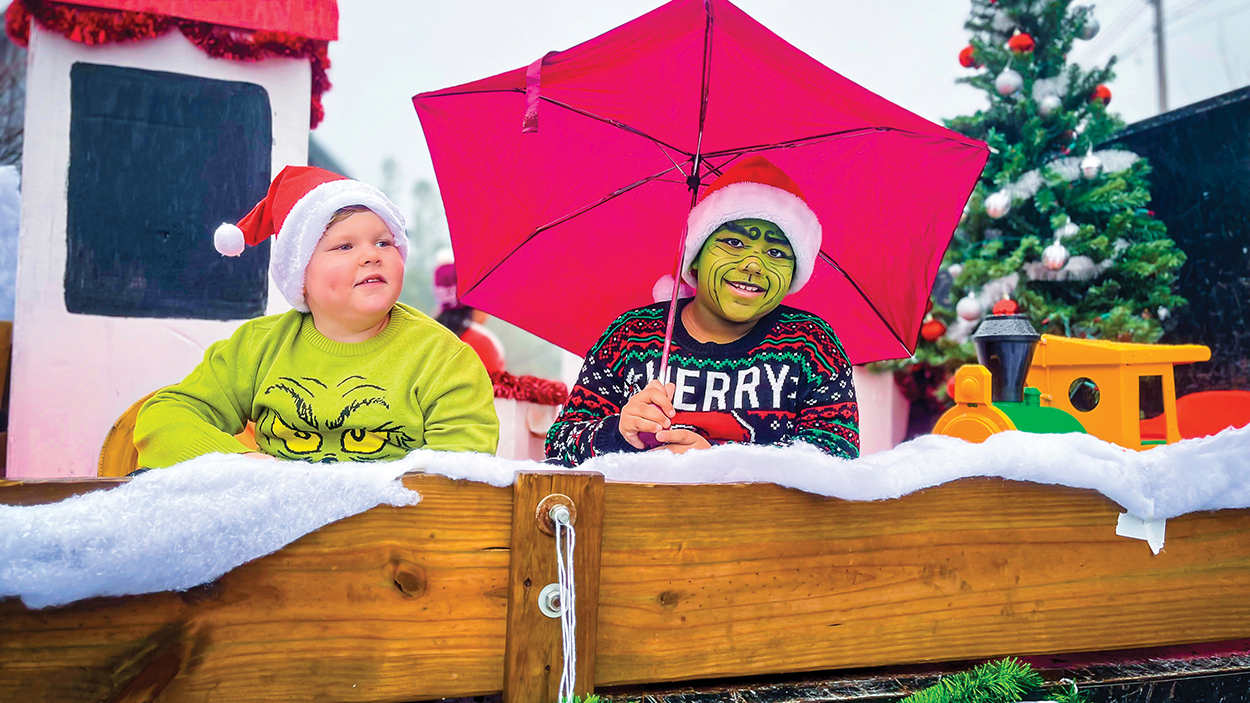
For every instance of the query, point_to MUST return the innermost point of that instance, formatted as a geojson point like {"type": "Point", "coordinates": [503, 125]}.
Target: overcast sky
{"type": "Point", "coordinates": [904, 50]}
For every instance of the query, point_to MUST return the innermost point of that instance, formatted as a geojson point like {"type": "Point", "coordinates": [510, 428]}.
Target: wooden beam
{"type": "Point", "coordinates": [696, 582]}
{"type": "Point", "coordinates": [53, 490]}
{"type": "Point", "coordinates": [534, 653]}
{"type": "Point", "coordinates": [389, 605]}
{"type": "Point", "coordinates": [768, 580]}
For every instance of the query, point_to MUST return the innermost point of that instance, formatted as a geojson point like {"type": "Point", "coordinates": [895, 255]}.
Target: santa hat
{"type": "Point", "coordinates": [445, 281]}
{"type": "Point", "coordinates": [755, 189]}
{"type": "Point", "coordinates": [296, 210]}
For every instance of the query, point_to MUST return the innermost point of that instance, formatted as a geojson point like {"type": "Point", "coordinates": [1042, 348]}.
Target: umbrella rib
{"type": "Point", "coordinates": [859, 131]}
{"type": "Point", "coordinates": [585, 113]}
{"type": "Point", "coordinates": [613, 122]}
{"type": "Point", "coordinates": [738, 151]}
{"type": "Point", "coordinates": [829, 260]}
{"type": "Point", "coordinates": [580, 211]}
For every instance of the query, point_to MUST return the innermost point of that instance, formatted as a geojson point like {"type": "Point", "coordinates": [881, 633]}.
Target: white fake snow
{"type": "Point", "coordinates": [176, 528]}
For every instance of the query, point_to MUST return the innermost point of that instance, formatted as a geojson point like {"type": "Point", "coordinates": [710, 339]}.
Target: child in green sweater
{"type": "Point", "coordinates": [349, 374]}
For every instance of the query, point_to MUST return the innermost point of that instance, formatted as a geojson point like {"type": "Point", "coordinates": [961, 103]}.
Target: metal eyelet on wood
{"type": "Point", "coordinates": [549, 600]}
{"type": "Point", "coordinates": [543, 513]}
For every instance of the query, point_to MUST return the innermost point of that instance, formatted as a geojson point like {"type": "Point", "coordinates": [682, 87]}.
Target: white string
{"type": "Point", "coordinates": [566, 538]}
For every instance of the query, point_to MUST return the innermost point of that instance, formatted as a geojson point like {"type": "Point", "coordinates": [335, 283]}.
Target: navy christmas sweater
{"type": "Point", "coordinates": [787, 380]}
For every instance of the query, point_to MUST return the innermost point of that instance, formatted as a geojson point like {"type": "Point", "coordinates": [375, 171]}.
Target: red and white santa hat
{"type": "Point", "coordinates": [755, 189]}
{"type": "Point", "coordinates": [295, 211]}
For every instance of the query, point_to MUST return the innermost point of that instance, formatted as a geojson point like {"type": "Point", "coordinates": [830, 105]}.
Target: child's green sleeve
{"type": "Point", "coordinates": [201, 414]}
{"type": "Point", "coordinates": [459, 407]}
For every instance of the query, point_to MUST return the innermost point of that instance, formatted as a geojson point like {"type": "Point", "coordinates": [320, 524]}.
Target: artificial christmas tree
{"type": "Point", "coordinates": [1057, 224]}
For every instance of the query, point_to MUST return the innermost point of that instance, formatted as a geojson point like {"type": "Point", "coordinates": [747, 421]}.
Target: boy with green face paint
{"type": "Point", "coordinates": [742, 367]}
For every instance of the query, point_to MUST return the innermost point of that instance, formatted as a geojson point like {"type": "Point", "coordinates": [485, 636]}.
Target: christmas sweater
{"type": "Point", "coordinates": [787, 380]}
{"type": "Point", "coordinates": [314, 399]}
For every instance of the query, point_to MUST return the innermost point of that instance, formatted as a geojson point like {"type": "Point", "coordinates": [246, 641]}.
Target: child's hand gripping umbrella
{"type": "Point", "coordinates": [567, 184]}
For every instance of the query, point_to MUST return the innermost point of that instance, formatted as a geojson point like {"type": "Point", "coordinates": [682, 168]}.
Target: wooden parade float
{"type": "Point", "coordinates": [673, 583]}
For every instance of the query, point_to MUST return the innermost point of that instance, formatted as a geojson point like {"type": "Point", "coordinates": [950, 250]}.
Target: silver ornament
{"type": "Point", "coordinates": [1055, 256]}
{"type": "Point", "coordinates": [1164, 313]}
{"type": "Point", "coordinates": [1091, 166]}
{"type": "Point", "coordinates": [998, 204]}
{"type": "Point", "coordinates": [1090, 30]}
{"type": "Point", "coordinates": [955, 269]}
{"type": "Point", "coordinates": [1008, 82]}
{"type": "Point", "coordinates": [1068, 230]}
{"type": "Point", "coordinates": [969, 308]}
{"type": "Point", "coordinates": [1048, 105]}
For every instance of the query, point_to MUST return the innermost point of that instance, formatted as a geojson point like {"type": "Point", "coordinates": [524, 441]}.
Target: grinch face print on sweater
{"type": "Point", "coordinates": [744, 270]}
{"type": "Point", "coordinates": [308, 420]}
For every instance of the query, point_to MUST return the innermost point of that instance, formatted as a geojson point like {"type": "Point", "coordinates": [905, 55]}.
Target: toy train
{"type": "Point", "coordinates": [1120, 392]}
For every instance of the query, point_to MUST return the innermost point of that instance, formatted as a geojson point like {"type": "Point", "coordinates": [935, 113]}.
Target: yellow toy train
{"type": "Point", "coordinates": [1119, 392]}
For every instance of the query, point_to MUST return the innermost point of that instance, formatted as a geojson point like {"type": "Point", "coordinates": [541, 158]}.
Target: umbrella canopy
{"type": "Point", "coordinates": [567, 183]}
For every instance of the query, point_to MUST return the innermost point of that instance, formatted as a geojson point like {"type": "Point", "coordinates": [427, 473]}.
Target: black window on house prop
{"type": "Point", "coordinates": [158, 161]}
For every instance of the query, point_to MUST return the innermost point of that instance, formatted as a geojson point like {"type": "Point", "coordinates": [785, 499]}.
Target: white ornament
{"type": "Point", "coordinates": [1164, 313]}
{"type": "Point", "coordinates": [1090, 30]}
{"type": "Point", "coordinates": [1055, 256]}
{"type": "Point", "coordinates": [1008, 82]}
{"type": "Point", "coordinates": [1069, 167]}
{"type": "Point", "coordinates": [1048, 105]}
{"type": "Point", "coordinates": [1091, 166]}
{"type": "Point", "coordinates": [1068, 230]}
{"type": "Point", "coordinates": [969, 308]}
{"type": "Point", "coordinates": [998, 204]}
{"type": "Point", "coordinates": [955, 270]}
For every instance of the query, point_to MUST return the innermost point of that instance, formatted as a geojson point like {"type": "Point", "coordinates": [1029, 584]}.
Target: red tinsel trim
{"type": "Point", "coordinates": [94, 27]}
{"type": "Point", "coordinates": [529, 388]}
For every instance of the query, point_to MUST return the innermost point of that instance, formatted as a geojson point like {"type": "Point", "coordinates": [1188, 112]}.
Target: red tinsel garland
{"type": "Point", "coordinates": [529, 388]}
{"type": "Point", "coordinates": [94, 27]}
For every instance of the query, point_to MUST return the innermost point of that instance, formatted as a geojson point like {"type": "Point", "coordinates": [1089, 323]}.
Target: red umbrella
{"type": "Point", "coordinates": [567, 184]}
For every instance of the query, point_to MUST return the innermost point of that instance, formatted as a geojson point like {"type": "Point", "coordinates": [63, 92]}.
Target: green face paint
{"type": "Point", "coordinates": [744, 270]}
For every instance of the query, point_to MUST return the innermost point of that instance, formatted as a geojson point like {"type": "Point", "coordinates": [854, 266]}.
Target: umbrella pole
{"type": "Point", "coordinates": [672, 303]}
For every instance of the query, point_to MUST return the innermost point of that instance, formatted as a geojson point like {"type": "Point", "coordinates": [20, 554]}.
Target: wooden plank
{"type": "Point", "coordinates": [534, 653]}
{"type": "Point", "coordinates": [389, 605]}
{"type": "Point", "coordinates": [769, 580]}
{"type": "Point", "coordinates": [42, 491]}
{"type": "Point", "coordinates": [696, 582]}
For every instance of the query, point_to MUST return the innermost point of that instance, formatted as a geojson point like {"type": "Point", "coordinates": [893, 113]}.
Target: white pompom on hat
{"type": "Point", "coordinates": [755, 189]}
{"type": "Point", "coordinates": [295, 211]}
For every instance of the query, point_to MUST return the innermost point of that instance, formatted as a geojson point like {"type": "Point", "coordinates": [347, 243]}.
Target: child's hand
{"type": "Point", "coordinates": [681, 441]}
{"type": "Point", "coordinates": [259, 455]}
{"type": "Point", "coordinates": [648, 411]}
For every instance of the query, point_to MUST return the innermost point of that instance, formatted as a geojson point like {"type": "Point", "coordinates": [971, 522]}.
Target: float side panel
{"type": "Point", "coordinates": [389, 605]}
{"type": "Point", "coordinates": [770, 580]}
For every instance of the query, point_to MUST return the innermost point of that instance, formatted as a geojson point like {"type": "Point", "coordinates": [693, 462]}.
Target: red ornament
{"type": "Point", "coordinates": [932, 330]}
{"type": "Point", "coordinates": [1021, 43]}
{"type": "Point", "coordinates": [950, 387]}
{"type": "Point", "coordinates": [967, 58]}
{"type": "Point", "coordinates": [1006, 306]}
{"type": "Point", "coordinates": [1102, 94]}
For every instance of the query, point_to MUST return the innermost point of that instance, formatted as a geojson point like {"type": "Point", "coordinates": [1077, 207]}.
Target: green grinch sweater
{"type": "Point", "coordinates": [313, 399]}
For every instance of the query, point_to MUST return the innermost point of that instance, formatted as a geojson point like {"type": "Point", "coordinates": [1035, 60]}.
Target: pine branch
{"type": "Point", "coordinates": [1005, 681]}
